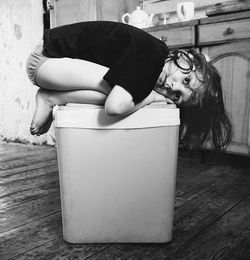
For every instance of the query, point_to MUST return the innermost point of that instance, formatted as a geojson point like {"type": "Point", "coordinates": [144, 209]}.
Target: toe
{"type": "Point", "coordinates": [33, 128]}
{"type": "Point", "coordinates": [33, 131]}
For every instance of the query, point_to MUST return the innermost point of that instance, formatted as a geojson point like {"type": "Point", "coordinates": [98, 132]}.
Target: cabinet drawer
{"type": "Point", "coordinates": [223, 32]}
{"type": "Point", "coordinates": [176, 37]}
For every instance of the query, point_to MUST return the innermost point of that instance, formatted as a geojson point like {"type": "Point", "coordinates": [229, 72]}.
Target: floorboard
{"type": "Point", "coordinates": [196, 215]}
{"type": "Point", "coordinates": [31, 193]}
{"type": "Point", "coordinates": [226, 238]}
{"type": "Point", "coordinates": [212, 211]}
{"type": "Point", "coordinates": [30, 235]}
{"type": "Point", "coordinates": [25, 161]}
{"type": "Point", "coordinates": [16, 216]}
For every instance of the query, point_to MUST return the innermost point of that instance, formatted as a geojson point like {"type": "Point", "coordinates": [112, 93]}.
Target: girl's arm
{"type": "Point", "coordinates": [120, 101]}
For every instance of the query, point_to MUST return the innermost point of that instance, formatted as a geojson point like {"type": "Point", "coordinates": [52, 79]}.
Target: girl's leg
{"type": "Point", "coordinates": [46, 99]}
{"type": "Point", "coordinates": [66, 80]}
{"type": "Point", "coordinates": [63, 74]}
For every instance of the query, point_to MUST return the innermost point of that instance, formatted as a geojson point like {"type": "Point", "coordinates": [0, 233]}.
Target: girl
{"type": "Point", "coordinates": [124, 69]}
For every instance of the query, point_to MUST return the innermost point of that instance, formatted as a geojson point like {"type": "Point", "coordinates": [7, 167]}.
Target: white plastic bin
{"type": "Point", "coordinates": [117, 175]}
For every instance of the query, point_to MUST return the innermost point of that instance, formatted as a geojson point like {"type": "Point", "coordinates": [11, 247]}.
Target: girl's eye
{"type": "Point", "coordinates": [186, 81]}
{"type": "Point", "coordinates": [176, 97]}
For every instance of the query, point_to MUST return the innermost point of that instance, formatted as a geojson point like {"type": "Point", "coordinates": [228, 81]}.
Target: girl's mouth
{"type": "Point", "coordinates": [162, 90]}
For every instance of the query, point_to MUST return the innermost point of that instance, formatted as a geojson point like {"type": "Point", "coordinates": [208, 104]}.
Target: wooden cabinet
{"type": "Point", "coordinates": [226, 40]}
{"type": "Point", "coordinates": [233, 62]}
{"type": "Point", "coordinates": [176, 35]}
{"type": "Point", "coordinates": [227, 43]}
{"type": "Point", "coordinates": [223, 31]}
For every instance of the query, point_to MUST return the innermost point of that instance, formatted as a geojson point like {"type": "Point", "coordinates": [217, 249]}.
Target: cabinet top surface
{"type": "Point", "coordinates": [205, 20]}
{"type": "Point", "coordinates": [226, 17]}
{"type": "Point", "coordinates": [172, 26]}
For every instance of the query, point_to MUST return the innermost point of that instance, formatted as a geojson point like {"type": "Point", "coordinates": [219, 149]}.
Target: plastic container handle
{"type": "Point", "coordinates": [124, 16]}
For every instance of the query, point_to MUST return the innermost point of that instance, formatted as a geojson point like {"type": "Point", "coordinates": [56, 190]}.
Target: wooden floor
{"type": "Point", "coordinates": [212, 214]}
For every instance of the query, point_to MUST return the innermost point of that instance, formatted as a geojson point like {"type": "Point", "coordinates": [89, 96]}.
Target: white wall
{"type": "Point", "coordinates": [21, 27]}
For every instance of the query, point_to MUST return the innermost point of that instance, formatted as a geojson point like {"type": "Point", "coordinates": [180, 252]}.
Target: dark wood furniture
{"type": "Point", "coordinates": [226, 41]}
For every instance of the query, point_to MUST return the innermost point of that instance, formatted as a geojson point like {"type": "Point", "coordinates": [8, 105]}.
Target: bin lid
{"type": "Point", "coordinates": [95, 117]}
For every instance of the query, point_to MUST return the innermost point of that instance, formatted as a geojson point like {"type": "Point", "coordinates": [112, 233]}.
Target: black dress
{"type": "Point", "coordinates": [135, 58]}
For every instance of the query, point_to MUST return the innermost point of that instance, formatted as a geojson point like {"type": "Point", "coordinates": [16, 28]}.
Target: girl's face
{"type": "Point", "coordinates": [178, 84]}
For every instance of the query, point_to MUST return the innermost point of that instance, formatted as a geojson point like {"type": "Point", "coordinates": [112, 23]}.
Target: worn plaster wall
{"type": "Point", "coordinates": [21, 27]}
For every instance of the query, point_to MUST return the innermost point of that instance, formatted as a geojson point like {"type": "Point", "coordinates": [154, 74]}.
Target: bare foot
{"type": "Point", "coordinates": [42, 117]}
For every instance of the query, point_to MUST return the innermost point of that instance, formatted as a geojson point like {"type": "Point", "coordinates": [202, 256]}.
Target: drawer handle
{"type": "Point", "coordinates": [228, 31]}
{"type": "Point", "coordinates": [163, 38]}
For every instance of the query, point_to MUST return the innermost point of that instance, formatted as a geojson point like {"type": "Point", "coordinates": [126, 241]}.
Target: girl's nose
{"type": "Point", "coordinates": [169, 84]}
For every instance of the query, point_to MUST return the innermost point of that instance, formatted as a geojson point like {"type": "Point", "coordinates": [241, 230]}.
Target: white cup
{"type": "Point", "coordinates": [185, 11]}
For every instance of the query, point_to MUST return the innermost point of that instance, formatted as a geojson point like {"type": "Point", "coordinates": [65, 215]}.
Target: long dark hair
{"type": "Point", "coordinates": [206, 120]}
